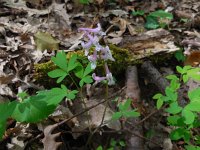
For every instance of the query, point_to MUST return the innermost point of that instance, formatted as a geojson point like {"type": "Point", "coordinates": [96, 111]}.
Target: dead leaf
{"type": "Point", "coordinates": [122, 24]}
{"type": "Point", "coordinates": [44, 41]}
{"type": "Point", "coordinates": [99, 1]}
{"type": "Point", "coordinates": [95, 117]}
{"type": "Point", "coordinates": [49, 139]}
{"type": "Point", "coordinates": [116, 40]}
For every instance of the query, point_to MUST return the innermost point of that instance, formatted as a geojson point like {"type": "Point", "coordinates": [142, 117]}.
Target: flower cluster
{"type": "Point", "coordinates": [100, 52]}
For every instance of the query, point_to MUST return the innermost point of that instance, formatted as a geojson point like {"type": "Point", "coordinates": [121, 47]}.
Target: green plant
{"type": "Point", "coordinates": [179, 55]}
{"type": "Point", "coordinates": [184, 118]}
{"type": "Point", "coordinates": [125, 111]}
{"type": "Point", "coordinates": [113, 145]}
{"type": "Point", "coordinates": [138, 13]}
{"type": "Point", "coordinates": [158, 19]}
{"type": "Point", "coordinates": [34, 108]}
{"type": "Point", "coordinates": [84, 1]}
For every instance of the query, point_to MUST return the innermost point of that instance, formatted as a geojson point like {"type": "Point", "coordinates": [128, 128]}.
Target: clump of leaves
{"type": "Point", "coordinates": [113, 145]}
{"type": "Point", "coordinates": [179, 55]}
{"type": "Point", "coordinates": [184, 118]}
{"type": "Point", "coordinates": [84, 1]}
{"type": "Point", "coordinates": [158, 19]}
{"type": "Point", "coordinates": [125, 111]}
{"type": "Point", "coordinates": [34, 108]}
{"type": "Point", "coordinates": [138, 13]}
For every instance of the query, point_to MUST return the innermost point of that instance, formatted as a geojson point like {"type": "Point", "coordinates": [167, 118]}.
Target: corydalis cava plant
{"type": "Point", "coordinates": [100, 52]}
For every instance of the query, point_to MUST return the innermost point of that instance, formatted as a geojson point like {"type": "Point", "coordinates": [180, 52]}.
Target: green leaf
{"type": "Point", "coordinates": [172, 77]}
{"type": "Point", "coordinates": [32, 109]}
{"type": "Point", "coordinates": [159, 103]}
{"type": "Point", "coordinates": [81, 83]}
{"type": "Point", "coordinates": [171, 94]}
{"type": "Point", "coordinates": [187, 136]}
{"type": "Point", "coordinates": [116, 115]}
{"type": "Point", "coordinates": [173, 120]}
{"type": "Point", "coordinates": [157, 96]}
{"type": "Point", "coordinates": [194, 95]}
{"type": "Point", "coordinates": [180, 70]}
{"type": "Point", "coordinates": [188, 116]}
{"type": "Point", "coordinates": [58, 73]}
{"type": "Point", "coordinates": [87, 70]}
{"type": "Point", "coordinates": [38, 107]}
{"type": "Point", "coordinates": [60, 60]}
{"type": "Point", "coordinates": [79, 70]}
{"type": "Point", "coordinates": [194, 73]}
{"type": "Point", "coordinates": [72, 63]}
{"type": "Point", "coordinates": [22, 95]}
{"type": "Point", "coordinates": [122, 143]}
{"type": "Point", "coordinates": [193, 106]}
{"type": "Point", "coordinates": [113, 143]}
{"type": "Point", "coordinates": [87, 79]}
{"type": "Point", "coordinates": [99, 148]}
{"type": "Point", "coordinates": [185, 78]}
{"type": "Point", "coordinates": [191, 147]}
{"type": "Point", "coordinates": [174, 85]}
{"type": "Point", "coordinates": [138, 13]}
{"type": "Point", "coordinates": [180, 56]}
{"type": "Point", "coordinates": [6, 110]}
{"type": "Point", "coordinates": [177, 134]}
{"type": "Point", "coordinates": [84, 1]}
{"type": "Point", "coordinates": [174, 108]}
{"type": "Point", "coordinates": [152, 22]}
{"type": "Point", "coordinates": [131, 113]}
{"type": "Point", "coordinates": [161, 14]}
{"type": "Point", "coordinates": [2, 128]}
{"type": "Point", "coordinates": [72, 94]}
{"type": "Point", "coordinates": [125, 106]}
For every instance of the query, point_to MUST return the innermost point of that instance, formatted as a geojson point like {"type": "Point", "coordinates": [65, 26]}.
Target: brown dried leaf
{"type": "Point", "coordinates": [99, 1]}
{"type": "Point", "coordinates": [49, 140]}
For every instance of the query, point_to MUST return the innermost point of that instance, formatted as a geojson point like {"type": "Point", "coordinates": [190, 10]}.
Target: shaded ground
{"type": "Point", "coordinates": [22, 46]}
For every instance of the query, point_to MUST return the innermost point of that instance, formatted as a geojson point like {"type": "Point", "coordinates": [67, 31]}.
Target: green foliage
{"type": "Point", "coordinates": [37, 107]}
{"type": "Point", "coordinates": [138, 13]}
{"type": "Point", "coordinates": [114, 145]}
{"type": "Point", "coordinates": [179, 55]}
{"type": "Point", "coordinates": [66, 67]}
{"type": "Point", "coordinates": [84, 1]}
{"type": "Point", "coordinates": [124, 111]}
{"type": "Point", "coordinates": [99, 148]}
{"type": "Point", "coordinates": [184, 118]}
{"type": "Point", "coordinates": [158, 19]}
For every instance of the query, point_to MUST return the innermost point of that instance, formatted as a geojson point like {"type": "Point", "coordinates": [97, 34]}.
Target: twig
{"type": "Point", "coordinates": [142, 137]}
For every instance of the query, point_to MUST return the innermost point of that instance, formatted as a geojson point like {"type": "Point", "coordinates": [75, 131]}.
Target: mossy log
{"type": "Point", "coordinates": [155, 44]}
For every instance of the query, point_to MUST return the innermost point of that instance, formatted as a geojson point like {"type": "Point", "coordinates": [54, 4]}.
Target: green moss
{"type": "Point", "coordinates": [40, 73]}
{"type": "Point", "coordinates": [123, 58]}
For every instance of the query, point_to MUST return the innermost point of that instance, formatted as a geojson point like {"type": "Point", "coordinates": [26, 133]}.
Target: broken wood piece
{"type": "Point", "coordinates": [133, 92]}
{"type": "Point", "coordinates": [155, 76]}
{"type": "Point", "coordinates": [158, 41]}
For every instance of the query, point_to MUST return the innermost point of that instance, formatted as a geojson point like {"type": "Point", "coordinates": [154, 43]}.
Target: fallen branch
{"type": "Point", "coordinates": [134, 141]}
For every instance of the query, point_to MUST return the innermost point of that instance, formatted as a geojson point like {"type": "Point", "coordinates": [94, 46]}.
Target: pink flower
{"type": "Point", "coordinates": [97, 78]}
{"type": "Point", "coordinates": [93, 59]}
{"type": "Point", "coordinates": [106, 54]}
{"type": "Point", "coordinates": [95, 31]}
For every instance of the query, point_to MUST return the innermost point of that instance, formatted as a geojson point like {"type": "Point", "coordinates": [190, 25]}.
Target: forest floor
{"type": "Point", "coordinates": [148, 39]}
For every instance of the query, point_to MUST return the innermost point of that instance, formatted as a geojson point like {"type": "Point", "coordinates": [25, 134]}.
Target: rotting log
{"type": "Point", "coordinates": [155, 44]}
{"type": "Point", "coordinates": [150, 43]}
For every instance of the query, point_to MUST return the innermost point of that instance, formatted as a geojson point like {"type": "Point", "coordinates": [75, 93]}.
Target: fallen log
{"type": "Point", "coordinates": [132, 50]}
